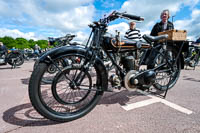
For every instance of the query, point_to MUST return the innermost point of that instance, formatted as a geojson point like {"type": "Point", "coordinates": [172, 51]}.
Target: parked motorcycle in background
{"type": "Point", "coordinates": [52, 69]}
{"type": "Point", "coordinates": [193, 55]}
{"type": "Point", "coordinates": [13, 58]}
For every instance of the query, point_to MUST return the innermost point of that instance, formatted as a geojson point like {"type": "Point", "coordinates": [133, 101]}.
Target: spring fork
{"type": "Point", "coordinates": [59, 68]}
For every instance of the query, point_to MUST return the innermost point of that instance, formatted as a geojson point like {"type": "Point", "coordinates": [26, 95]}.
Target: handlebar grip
{"type": "Point", "coordinates": [138, 18]}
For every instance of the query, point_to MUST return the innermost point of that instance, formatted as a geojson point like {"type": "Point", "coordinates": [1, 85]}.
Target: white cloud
{"type": "Point", "coordinates": [191, 25]}
{"type": "Point", "coordinates": [57, 17]}
{"type": "Point", "coordinates": [121, 27]}
{"type": "Point", "coordinates": [16, 33]}
{"type": "Point", "coordinates": [65, 15]}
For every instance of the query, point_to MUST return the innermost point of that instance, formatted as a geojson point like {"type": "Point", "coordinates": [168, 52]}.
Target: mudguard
{"type": "Point", "coordinates": [78, 50]}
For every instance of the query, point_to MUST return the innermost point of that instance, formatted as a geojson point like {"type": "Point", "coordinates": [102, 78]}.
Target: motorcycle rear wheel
{"type": "Point", "coordinates": [166, 77]}
{"type": "Point", "coordinates": [15, 59]}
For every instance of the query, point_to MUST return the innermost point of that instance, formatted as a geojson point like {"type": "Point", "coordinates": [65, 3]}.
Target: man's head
{"type": "Point", "coordinates": [165, 15]}
{"type": "Point", "coordinates": [1, 44]}
{"type": "Point", "coordinates": [132, 25]}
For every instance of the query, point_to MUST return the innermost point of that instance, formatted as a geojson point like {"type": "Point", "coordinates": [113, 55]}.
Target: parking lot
{"type": "Point", "coordinates": [120, 111]}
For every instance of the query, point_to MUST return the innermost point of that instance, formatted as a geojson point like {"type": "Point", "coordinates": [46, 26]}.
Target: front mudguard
{"type": "Point", "coordinates": [102, 74]}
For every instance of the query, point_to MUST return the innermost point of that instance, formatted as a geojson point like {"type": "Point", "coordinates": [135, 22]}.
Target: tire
{"type": "Point", "coordinates": [195, 61]}
{"type": "Point", "coordinates": [166, 73]}
{"type": "Point", "coordinates": [50, 102]}
{"type": "Point", "coordinates": [35, 64]}
{"type": "Point", "coordinates": [15, 57]}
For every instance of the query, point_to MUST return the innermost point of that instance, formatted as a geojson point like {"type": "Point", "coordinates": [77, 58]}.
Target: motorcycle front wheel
{"type": "Point", "coordinates": [65, 99]}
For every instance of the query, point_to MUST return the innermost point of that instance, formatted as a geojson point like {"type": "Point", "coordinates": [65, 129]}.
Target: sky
{"type": "Point", "coordinates": [40, 19]}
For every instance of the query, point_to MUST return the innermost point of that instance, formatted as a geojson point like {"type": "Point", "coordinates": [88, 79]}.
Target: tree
{"type": "Point", "coordinates": [21, 43]}
{"type": "Point", "coordinates": [31, 43]}
{"type": "Point", "coordinates": [42, 43]}
{"type": "Point", "coordinates": [8, 41]}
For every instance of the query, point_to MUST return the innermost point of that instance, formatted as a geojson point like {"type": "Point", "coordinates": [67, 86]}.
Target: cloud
{"type": "Point", "coordinates": [64, 15]}
{"type": "Point", "coordinates": [121, 27]}
{"type": "Point", "coordinates": [191, 25]}
{"type": "Point", "coordinates": [16, 33]}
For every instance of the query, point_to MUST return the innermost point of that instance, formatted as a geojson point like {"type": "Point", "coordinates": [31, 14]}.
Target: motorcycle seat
{"type": "Point", "coordinates": [155, 38]}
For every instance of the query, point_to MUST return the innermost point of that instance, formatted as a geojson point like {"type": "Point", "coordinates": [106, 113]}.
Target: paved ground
{"type": "Point", "coordinates": [117, 112]}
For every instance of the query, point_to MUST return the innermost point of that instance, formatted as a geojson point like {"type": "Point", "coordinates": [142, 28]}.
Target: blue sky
{"type": "Point", "coordinates": [36, 19]}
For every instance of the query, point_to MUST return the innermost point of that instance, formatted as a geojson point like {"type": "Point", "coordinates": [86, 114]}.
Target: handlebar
{"type": "Point", "coordinates": [114, 15]}
{"type": "Point", "coordinates": [66, 38]}
{"type": "Point", "coordinates": [133, 17]}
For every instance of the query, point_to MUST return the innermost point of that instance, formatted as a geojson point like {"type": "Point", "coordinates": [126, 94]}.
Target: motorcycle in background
{"type": "Point", "coordinates": [51, 70]}
{"type": "Point", "coordinates": [192, 56]}
{"type": "Point", "coordinates": [13, 58]}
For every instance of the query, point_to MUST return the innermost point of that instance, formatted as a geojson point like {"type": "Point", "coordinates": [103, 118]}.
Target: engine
{"type": "Point", "coordinates": [134, 78]}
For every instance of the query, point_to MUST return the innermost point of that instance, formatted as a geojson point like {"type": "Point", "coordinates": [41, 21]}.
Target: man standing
{"type": "Point", "coordinates": [163, 25]}
{"type": "Point", "coordinates": [133, 32]}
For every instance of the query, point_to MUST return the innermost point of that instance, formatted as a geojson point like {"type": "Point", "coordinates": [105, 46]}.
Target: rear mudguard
{"type": "Point", "coordinates": [77, 50]}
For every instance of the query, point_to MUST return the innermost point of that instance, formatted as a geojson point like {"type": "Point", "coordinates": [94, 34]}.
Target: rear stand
{"type": "Point", "coordinates": [163, 94]}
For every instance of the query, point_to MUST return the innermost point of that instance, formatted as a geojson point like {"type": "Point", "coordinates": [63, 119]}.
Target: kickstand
{"type": "Point", "coordinates": [165, 94]}
{"type": "Point", "coordinates": [160, 95]}
{"type": "Point", "coordinates": [14, 65]}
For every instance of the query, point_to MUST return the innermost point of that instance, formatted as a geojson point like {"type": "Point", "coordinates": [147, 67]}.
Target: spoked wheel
{"type": "Point", "coordinates": [74, 92]}
{"type": "Point", "coordinates": [15, 59]}
{"type": "Point", "coordinates": [167, 76]}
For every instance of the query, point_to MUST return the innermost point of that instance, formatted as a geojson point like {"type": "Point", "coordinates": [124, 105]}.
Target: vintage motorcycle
{"type": "Point", "coordinates": [77, 88]}
{"type": "Point", "coordinates": [13, 58]}
{"type": "Point", "coordinates": [57, 42]}
{"type": "Point", "coordinates": [192, 56]}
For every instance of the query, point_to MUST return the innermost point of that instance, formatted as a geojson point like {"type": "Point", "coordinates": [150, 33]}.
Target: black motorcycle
{"type": "Point", "coordinates": [13, 58]}
{"type": "Point", "coordinates": [77, 88]}
{"type": "Point", "coordinates": [192, 55]}
{"type": "Point", "coordinates": [52, 69]}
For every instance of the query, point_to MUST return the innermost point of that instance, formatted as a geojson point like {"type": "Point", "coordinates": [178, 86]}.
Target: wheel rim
{"type": "Point", "coordinates": [63, 108]}
{"type": "Point", "coordinates": [76, 91]}
{"type": "Point", "coordinates": [167, 77]}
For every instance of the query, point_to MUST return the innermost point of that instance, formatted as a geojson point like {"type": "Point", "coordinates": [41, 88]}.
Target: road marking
{"type": "Point", "coordinates": [176, 107]}
{"type": "Point", "coordinates": [155, 99]}
{"type": "Point", "coordinates": [128, 107]}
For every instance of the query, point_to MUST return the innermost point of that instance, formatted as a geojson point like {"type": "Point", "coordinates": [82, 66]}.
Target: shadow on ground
{"type": "Point", "coordinates": [25, 115]}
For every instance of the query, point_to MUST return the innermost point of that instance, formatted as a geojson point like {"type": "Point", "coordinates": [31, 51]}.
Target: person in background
{"type": "Point", "coordinates": [133, 32]}
{"type": "Point", "coordinates": [13, 49]}
{"type": "Point", "coordinates": [37, 50]}
{"type": "Point", "coordinates": [3, 49]}
{"type": "Point", "coordinates": [164, 24]}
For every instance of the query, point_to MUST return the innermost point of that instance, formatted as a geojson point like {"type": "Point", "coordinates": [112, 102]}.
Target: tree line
{"type": "Point", "coordinates": [21, 43]}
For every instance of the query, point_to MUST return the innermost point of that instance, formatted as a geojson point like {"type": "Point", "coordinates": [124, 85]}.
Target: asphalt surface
{"type": "Point", "coordinates": [109, 116]}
